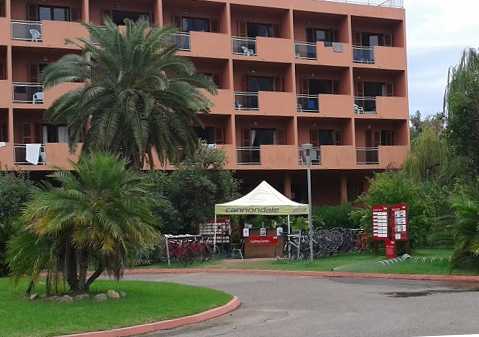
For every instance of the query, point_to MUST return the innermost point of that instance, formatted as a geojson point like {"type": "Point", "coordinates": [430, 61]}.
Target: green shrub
{"type": "Point", "coordinates": [15, 191]}
{"type": "Point", "coordinates": [327, 217]}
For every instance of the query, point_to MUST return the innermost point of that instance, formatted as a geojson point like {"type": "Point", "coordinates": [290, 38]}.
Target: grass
{"type": "Point", "coordinates": [145, 302]}
{"type": "Point", "coordinates": [428, 262]}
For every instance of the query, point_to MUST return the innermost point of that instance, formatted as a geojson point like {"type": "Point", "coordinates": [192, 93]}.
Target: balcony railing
{"type": "Point", "coordinates": [315, 157]}
{"type": "Point", "coordinates": [365, 105]}
{"type": "Point", "coordinates": [31, 93]}
{"type": "Point", "coordinates": [249, 155]}
{"type": "Point", "coordinates": [246, 101]}
{"type": "Point", "coordinates": [21, 155]}
{"type": "Point", "coordinates": [378, 3]}
{"type": "Point", "coordinates": [308, 103]}
{"type": "Point", "coordinates": [305, 50]}
{"type": "Point", "coordinates": [183, 41]}
{"type": "Point", "coordinates": [27, 31]}
{"type": "Point", "coordinates": [363, 54]}
{"type": "Point", "coordinates": [367, 155]}
{"type": "Point", "coordinates": [244, 46]}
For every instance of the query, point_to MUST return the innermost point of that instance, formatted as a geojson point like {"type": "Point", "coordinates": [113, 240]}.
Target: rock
{"type": "Point", "coordinates": [101, 298]}
{"type": "Point", "coordinates": [113, 294]}
{"type": "Point", "coordinates": [65, 299]}
{"type": "Point", "coordinates": [34, 297]}
{"type": "Point", "coordinates": [82, 297]}
{"type": "Point", "coordinates": [122, 294]}
{"type": "Point", "coordinates": [52, 298]}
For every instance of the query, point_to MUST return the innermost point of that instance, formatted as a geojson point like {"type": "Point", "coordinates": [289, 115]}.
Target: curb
{"type": "Point", "coordinates": [313, 274]}
{"type": "Point", "coordinates": [165, 325]}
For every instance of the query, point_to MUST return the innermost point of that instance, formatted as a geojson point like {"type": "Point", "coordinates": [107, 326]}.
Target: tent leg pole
{"type": "Point", "coordinates": [214, 237]}
{"type": "Point", "coordinates": [289, 238]}
{"type": "Point", "coordinates": [168, 252]}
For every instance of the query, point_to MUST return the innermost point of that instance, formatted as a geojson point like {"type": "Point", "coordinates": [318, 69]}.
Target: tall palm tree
{"type": "Point", "coordinates": [98, 218]}
{"type": "Point", "coordinates": [139, 96]}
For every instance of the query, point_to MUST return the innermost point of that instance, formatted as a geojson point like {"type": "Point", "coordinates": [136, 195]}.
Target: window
{"type": "Point", "coordinates": [119, 17]}
{"type": "Point", "coordinates": [316, 35]}
{"type": "Point", "coordinates": [259, 83]}
{"type": "Point", "coordinates": [55, 134]}
{"type": "Point", "coordinates": [211, 135]}
{"type": "Point", "coordinates": [326, 137]}
{"type": "Point", "coordinates": [195, 25]}
{"type": "Point", "coordinates": [387, 138]}
{"type": "Point", "coordinates": [316, 87]}
{"type": "Point", "coordinates": [373, 39]}
{"type": "Point", "coordinates": [3, 132]}
{"type": "Point", "coordinates": [260, 29]}
{"type": "Point", "coordinates": [54, 13]}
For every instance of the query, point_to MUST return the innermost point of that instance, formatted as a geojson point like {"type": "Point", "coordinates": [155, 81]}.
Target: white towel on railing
{"type": "Point", "coordinates": [338, 47]}
{"type": "Point", "coordinates": [33, 153]}
{"type": "Point", "coordinates": [3, 144]}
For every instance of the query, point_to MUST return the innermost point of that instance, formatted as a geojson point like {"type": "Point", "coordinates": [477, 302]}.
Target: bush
{"type": "Point", "coordinates": [328, 217]}
{"type": "Point", "coordinates": [394, 188]}
{"type": "Point", "coordinates": [15, 191]}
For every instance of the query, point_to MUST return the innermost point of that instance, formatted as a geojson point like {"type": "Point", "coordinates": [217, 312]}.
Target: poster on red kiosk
{"type": "Point", "coordinates": [380, 223]}
{"type": "Point", "coordinates": [399, 222]}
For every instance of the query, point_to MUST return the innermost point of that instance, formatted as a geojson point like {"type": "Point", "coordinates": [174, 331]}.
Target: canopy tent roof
{"type": "Point", "coordinates": [263, 200]}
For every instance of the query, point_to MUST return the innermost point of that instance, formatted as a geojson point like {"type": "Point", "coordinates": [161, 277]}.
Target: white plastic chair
{"type": "Point", "coordinates": [37, 97]}
{"type": "Point", "coordinates": [35, 34]}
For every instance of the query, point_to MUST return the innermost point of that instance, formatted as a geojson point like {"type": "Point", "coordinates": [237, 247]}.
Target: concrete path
{"type": "Point", "coordinates": [283, 306]}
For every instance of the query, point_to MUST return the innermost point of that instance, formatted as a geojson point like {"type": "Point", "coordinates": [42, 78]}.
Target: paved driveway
{"type": "Point", "coordinates": [307, 307]}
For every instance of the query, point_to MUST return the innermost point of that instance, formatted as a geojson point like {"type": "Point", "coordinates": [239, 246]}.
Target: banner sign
{"type": "Point", "coordinates": [399, 218]}
{"type": "Point", "coordinates": [263, 240]}
{"type": "Point", "coordinates": [380, 222]}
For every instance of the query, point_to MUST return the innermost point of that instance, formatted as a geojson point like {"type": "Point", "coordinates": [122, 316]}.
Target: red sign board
{"type": "Point", "coordinates": [263, 240]}
{"type": "Point", "coordinates": [399, 222]}
{"type": "Point", "coordinates": [390, 222]}
{"type": "Point", "coordinates": [380, 222]}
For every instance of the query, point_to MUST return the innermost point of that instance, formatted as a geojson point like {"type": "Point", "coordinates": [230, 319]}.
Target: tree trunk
{"type": "Point", "coordinates": [71, 267]}
{"type": "Point", "coordinates": [83, 270]}
{"type": "Point", "coordinates": [100, 269]}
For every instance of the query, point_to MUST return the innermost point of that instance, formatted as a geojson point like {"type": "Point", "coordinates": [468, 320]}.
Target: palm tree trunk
{"type": "Point", "coordinates": [100, 269]}
{"type": "Point", "coordinates": [71, 267]}
{"type": "Point", "coordinates": [83, 270]}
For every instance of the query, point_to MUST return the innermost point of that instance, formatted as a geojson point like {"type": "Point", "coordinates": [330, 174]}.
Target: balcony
{"type": "Point", "coordinates": [274, 103]}
{"type": "Point", "coordinates": [248, 155]}
{"type": "Point", "coordinates": [51, 34]}
{"type": "Point", "coordinates": [363, 55]}
{"type": "Point", "coordinates": [20, 155]}
{"type": "Point", "coordinates": [367, 155]}
{"type": "Point", "coordinates": [380, 57]}
{"type": "Point", "coordinates": [365, 105]}
{"type": "Point", "coordinates": [244, 46]}
{"type": "Point", "coordinates": [308, 103]}
{"type": "Point", "coordinates": [330, 54]}
{"type": "Point", "coordinates": [268, 157]}
{"type": "Point", "coordinates": [29, 93]}
{"type": "Point", "coordinates": [263, 48]}
{"type": "Point", "coordinates": [334, 157]}
{"type": "Point", "coordinates": [203, 44]}
{"type": "Point", "coordinates": [31, 31]}
{"type": "Point", "coordinates": [386, 107]}
{"type": "Point", "coordinates": [315, 157]}
{"type": "Point", "coordinates": [221, 101]}
{"type": "Point", "coordinates": [183, 41]}
{"type": "Point", "coordinates": [306, 50]}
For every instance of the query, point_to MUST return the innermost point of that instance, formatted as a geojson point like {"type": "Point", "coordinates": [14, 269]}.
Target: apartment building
{"type": "Point", "coordinates": [289, 72]}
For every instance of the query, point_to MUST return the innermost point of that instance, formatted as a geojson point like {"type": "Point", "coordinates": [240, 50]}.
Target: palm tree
{"type": "Point", "coordinates": [139, 96]}
{"type": "Point", "coordinates": [98, 218]}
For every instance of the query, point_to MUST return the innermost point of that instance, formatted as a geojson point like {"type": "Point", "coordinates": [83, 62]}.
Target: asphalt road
{"type": "Point", "coordinates": [307, 307]}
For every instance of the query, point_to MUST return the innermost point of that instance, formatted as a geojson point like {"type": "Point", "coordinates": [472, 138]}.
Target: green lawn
{"type": "Point", "coordinates": [425, 261]}
{"type": "Point", "coordinates": [145, 302]}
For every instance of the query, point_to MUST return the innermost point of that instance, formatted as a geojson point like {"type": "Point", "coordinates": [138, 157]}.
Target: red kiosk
{"type": "Point", "coordinates": [390, 224]}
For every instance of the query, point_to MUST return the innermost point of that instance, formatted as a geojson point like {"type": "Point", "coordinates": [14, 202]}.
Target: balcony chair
{"type": "Point", "coordinates": [247, 51]}
{"type": "Point", "coordinates": [35, 34]}
{"type": "Point", "coordinates": [358, 109]}
{"type": "Point", "coordinates": [37, 97]}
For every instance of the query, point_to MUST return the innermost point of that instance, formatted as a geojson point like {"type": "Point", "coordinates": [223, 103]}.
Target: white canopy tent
{"type": "Point", "coordinates": [263, 200]}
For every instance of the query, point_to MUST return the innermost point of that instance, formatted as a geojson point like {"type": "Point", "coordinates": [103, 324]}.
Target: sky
{"type": "Point", "coordinates": [437, 33]}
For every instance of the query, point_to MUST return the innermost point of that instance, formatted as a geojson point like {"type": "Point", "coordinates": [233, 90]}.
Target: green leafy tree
{"type": "Point", "coordinates": [462, 106]}
{"type": "Point", "coordinates": [15, 191]}
{"type": "Point", "coordinates": [98, 218]}
{"type": "Point", "coordinates": [138, 95]}
{"type": "Point", "coordinates": [187, 196]}
{"type": "Point", "coordinates": [466, 207]}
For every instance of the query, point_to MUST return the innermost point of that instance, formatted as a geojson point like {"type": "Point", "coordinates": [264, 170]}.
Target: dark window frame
{"type": "Point", "coordinates": [68, 12]}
